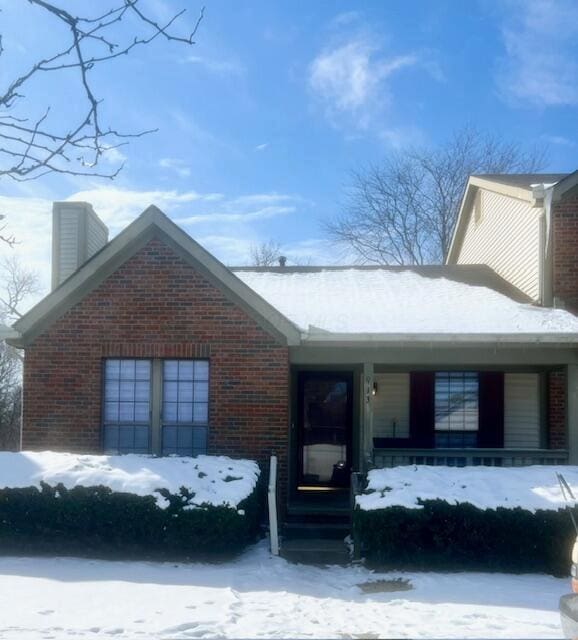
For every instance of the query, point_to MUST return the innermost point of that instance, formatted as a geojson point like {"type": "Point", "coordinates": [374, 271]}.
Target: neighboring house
{"type": "Point", "coordinates": [148, 343]}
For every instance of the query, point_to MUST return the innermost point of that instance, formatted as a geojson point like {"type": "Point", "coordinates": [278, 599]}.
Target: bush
{"type": "Point", "coordinates": [461, 536]}
{"type": "Point", "coordinates": [98, 520]}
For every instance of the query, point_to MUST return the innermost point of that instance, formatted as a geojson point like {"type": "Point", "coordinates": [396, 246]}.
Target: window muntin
{"type": "Point", "coordinates": [127, 406]}
{"type": "Point", "coordinates": [185, 406]}
{"type": "Point", "coordinates": [456, 409]}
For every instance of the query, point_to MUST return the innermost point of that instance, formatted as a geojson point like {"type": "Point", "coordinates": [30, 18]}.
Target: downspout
{"type": "Point", "coordinates": [543, 193]}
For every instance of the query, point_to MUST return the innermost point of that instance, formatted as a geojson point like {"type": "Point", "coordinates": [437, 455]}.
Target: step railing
{"type": "Point", "coordinates": [396, 457]}
{"type": "Point", "coordinates": [272, 504]}
{"type": "Point", "coordinates": [357, 485]}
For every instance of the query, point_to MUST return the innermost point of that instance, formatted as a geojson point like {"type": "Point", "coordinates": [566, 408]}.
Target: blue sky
{"type": "Point", "coordinates": [262, 120]}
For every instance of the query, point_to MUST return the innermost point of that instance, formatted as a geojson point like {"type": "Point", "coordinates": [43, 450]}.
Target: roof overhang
{"type": "Point", "coordinates": [152, 223]}
{"type": "Point", "coordinates": [565, 340]}
{"type": "Point", "coordinates": [8, 333]}
{"type": "Point", "coordinates": [568, 184]}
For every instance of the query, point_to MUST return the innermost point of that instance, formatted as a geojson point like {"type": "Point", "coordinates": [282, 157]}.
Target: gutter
{"type": "Point", "coordinates": [8, 333]}
{"type": "Point", "coordinates": [400, 339]}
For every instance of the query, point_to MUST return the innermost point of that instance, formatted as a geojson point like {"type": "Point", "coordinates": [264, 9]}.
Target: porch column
{"type": "Point", "coordinates": [572, 412]}
{"type": "Point", "coordinates": [367, 417]}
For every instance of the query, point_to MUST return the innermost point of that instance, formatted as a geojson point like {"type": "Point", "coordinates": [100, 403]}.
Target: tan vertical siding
{"type": "Point", "coordinates": [506, 238]}
{"type": "Point", "coordinates": [391, 405]}
{"type": "Point", "coordinates": [522, 410]}
{"type": "Point", "coordinates": [96, 234]}
{"type": "Point", "coordinates": [68, 255]}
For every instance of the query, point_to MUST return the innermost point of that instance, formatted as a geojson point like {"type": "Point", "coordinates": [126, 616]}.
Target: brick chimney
{"type": "Point", "coordinates": [77, 234]}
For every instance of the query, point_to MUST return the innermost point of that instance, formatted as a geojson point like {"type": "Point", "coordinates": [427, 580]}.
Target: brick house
{"type": "Point", "coordinates": [148, 344]}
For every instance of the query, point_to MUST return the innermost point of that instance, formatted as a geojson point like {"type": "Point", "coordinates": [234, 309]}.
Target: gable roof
{"type": "Point", "coordinates": [324, 305]}
{"type": "Point", "coordinates": [522, 180]}
{"type": "Point", "coordinates": [514, 185]}
{"type": "Point", "coordinates": [150, 224]}
{"type": "Point", "coordinates": [468, 303]}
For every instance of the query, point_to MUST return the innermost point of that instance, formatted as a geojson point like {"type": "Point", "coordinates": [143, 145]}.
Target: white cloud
{"type": "Point", "coordinates": [219, 67]}
{"type": "Point", "coordinates": [351, 78]}
{"type": "Point", "coordinates": [118, 207]}
{"type": "Point", "coordinates": [558, 140]}
{"type": "Point", "coordinates": [540, 67]}
{"type": "Point", "coordinates": [262, 147]}
{"type": "Point", "coordinates": [177, 166]}
{"type": "Point", "coordinates": [236, 218]}
{"type": "Point", "coordinates": [265, 213]}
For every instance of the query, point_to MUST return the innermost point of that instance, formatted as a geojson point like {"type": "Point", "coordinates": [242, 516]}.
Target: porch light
{"type": "Point", "coordinates": [374, 390]}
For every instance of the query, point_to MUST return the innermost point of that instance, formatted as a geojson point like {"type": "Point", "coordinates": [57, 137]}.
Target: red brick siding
{"type": "Point", "coordinates": [156, 305]}
{"type": "Point", "coordinates": [557, 410]}
{"type": "Point", "coordinates": [565, 233]}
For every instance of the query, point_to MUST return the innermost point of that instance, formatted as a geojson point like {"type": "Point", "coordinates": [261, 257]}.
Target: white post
{"type": "Point", "coordinates": [367, 430]}
{"type": "Point", "coordinates": [272, 503]}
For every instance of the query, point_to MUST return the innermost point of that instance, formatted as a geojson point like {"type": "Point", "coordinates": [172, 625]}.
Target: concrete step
{"type": "Point", "coordinates": [316, 551]}
{"type": "Point", "coordinates": [293, 530]}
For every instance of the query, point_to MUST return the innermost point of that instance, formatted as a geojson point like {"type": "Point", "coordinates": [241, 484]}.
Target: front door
{"type": "Point", "coordinates": [324, 430]}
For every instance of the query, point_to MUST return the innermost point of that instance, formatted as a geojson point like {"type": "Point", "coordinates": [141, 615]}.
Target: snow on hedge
{"type": "Point", "coordinates": [215, 480]}
{"type": "Point", "coordinates": [530, 488]}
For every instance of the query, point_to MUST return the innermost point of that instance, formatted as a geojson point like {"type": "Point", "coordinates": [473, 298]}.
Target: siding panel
{"type": "Point", "coordinates": [507, 238]}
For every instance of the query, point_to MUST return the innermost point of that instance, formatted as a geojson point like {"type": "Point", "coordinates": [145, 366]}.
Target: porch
{"type": "Point", "coordinates": [437, 405]}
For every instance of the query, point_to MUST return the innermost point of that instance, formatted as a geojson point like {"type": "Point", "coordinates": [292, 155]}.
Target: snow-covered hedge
{"type": "Point", "coordinates": [530, 488]}
{"type": "Point", "coordinates": [157, 506]}
{"type": "Point", "coordinates": [475, 517]}
{"type": "Point", "coordinates": [214, 480]}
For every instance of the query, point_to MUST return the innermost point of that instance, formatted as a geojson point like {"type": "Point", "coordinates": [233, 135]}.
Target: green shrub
{"type": "Point", "coordinates": [461, 536]}
{"type": "Point", "coordinates": [99, 520]}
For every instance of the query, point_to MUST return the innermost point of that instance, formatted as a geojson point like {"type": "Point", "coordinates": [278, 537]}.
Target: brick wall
{"type": "Point", "coordinates": [156, 305]}
{"type": "Point", "coordinates": [565, 234]}
{"type": "Point", "coordinates": [557, 410]}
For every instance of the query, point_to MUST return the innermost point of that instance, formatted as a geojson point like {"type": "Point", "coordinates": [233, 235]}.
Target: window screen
{"type": "Point", "coordinates": [127, 385]}
{"type": "Point", "coordinates": [456, 409]}
{"type": "Point", "coordinates": [185, 411]}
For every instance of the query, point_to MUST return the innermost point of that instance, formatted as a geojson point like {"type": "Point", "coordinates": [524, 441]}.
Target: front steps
{"type": "Point", "coordinates": [314, 533]}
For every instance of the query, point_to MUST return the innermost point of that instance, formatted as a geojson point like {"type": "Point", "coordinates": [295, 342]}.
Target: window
{"type": "Point", "coordinates": [155, 406]}
{"type": "Point", "coordinates": [456, 409]}
{"type": "Point", "coordinates": [127, 414]}
{"type": "Point", "coordinates": [185, 411]}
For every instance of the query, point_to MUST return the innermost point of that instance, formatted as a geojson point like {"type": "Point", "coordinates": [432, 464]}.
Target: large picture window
{"type": "Point", "coordinates": [185, 411]}
{"type": "Point", "coordinates": [127, 410]}
{"type": "Point", "coordinates": [456, 409]}
{"type": "Point", "coordinates": [155, 406]}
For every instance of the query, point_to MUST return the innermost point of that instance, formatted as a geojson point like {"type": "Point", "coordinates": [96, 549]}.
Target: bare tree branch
{"type": "Point", "coordinates": [32, 147]}
{"type": "Point", "coordinates": [404, 211]}
{"type": "Point", "coordinates": [266, 254]}
{"type": "Point", "coordinates": [17, 283]}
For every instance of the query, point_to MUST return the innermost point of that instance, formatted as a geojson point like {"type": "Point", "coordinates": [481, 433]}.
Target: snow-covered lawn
{"type": "Point", "coordinates": [530, 488]}
{"type": "Point", "coordinates": [260, 596]}
{"type": "Point", "coordinates": [215, 480]}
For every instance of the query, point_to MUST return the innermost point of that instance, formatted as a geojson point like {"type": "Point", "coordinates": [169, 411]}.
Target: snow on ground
{"type": "Point", "coordinates": [258, 596]}
{"type": "Point", "coordinates": [484, 487]}
{"type": "Point", "coordinates": [400, 302]}
{"type": "Point", "coordinates": [215, 480]}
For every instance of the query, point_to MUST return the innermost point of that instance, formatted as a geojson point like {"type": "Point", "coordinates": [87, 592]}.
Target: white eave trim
{"type": "Point", "coordinates": [529, 339]}
{"type": "Point", "coordinates": [8, 333]}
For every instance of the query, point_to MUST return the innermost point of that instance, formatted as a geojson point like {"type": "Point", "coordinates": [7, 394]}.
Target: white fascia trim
{"type": "Point", "coordinates": [567, 339]}
{"type": "Point", "coordinates": [8, 333]}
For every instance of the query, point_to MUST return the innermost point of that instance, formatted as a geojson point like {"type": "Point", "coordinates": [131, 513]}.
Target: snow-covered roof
{"type": "Point", "coordinates": [437, 303]}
